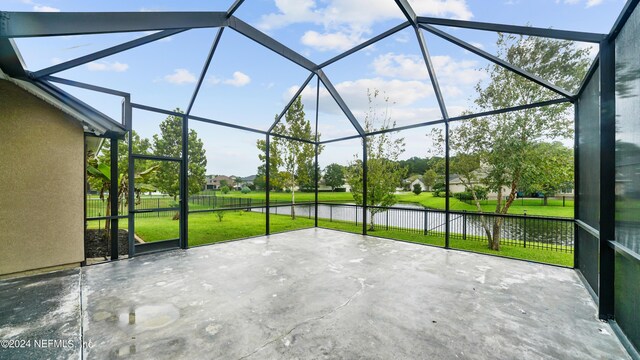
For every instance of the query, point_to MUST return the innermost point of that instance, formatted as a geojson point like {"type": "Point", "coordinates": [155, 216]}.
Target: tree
{"type": "Point", "coordinates": [384, 172]}
{"type": "Point", "coordinates": [100, 173]}
{"type": "Point", "coordinates": [140, 146]}
{"type": "Point", "coordinates": [334, 176]}
{"type": "Point", "coordinates": [429, 178]}
{"type": "Point", "coordinates": [290, 160]}
{"type": "Point", "coordinates": [169, 143]}
{"type": "Point", "coordinates": [225, 189]}
{"type": "Point", "coordinates": [500, 150]}
{"type": "Point", "coordinates": [417, 189]}
{"type": "Point", "coordinates": [550, 170]}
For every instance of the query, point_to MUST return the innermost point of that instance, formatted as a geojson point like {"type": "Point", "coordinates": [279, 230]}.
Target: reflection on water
{"type": "Point", "coordinates": [148, 316]}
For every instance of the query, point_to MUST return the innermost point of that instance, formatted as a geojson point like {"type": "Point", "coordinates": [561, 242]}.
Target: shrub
{"type": "Point", "coordinates": [220, 215]}
{"type": "Point", "coordinates": [224, 189]}
{"type": "Point", "coordinates": [417, 189]}
{"type": "Point", "coordinates": [439, 193]}
{"type": "Point", "coordinates": [245, 190]}
{"type": "Point", "coordinates": [481, 193]}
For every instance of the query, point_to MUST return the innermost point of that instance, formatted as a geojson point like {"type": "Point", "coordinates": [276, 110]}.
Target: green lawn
{"type": "Point", "coordinates": [286, 197]}
{"type": "Point", "coordinates": [476, 245]}
{"type": "Point", "coordinates": [426, 199]}
{"type": "Point", "coordinates": [532, 206]}
{"type": "Point", "coordinates": [204, 228]}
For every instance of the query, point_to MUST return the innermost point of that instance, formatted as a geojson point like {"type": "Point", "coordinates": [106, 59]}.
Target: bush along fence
{"type": "Point", "coordinates": [163, 206]}
{"type": "Point", "coordinates": [539, 232]}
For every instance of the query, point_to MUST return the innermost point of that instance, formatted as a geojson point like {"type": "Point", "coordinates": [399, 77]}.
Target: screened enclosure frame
{"type": "Point", "coordinates": [18, 24]}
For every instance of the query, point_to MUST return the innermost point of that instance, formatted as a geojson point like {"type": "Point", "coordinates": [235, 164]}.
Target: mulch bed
{"type": "Point", "coordinates": [97, 243]}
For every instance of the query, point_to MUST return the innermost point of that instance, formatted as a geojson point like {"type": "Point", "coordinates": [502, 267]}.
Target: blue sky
{"type": "Point", "coordinates": [247, 84]}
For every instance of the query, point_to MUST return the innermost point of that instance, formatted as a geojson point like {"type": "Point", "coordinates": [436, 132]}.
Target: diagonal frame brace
{"type": "Point", "coordinates": [293, 99]}
{"type": "Point", "coordinates": [432, 74]}
{"type": "Point", "coordinates": [496, 60]}
{"type": "Point", "coordinates": [105, 52]}
{"type": "Point", "coordinates": [205, 67]}
{"type": "Point", "coordinates": [338, 99]}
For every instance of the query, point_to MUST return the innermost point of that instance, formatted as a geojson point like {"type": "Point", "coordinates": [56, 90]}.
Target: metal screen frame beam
{"type": "Point", "coordinates": [234, 7]}
{"type": "Point", "coordinates": [606, 264]}
{"type": "Point", "coordinates": [104, 53]}
{"type": "Point", "coordinates": [338, 99]}
{"type": "Point", "coordinates": [515, 29]}
{"type": "Point", "coordinates": [371, 41]}
{"type": "Point", "coordinates": [85, 86]}
{"type": "Point", "coordinates": [270, 43]}
{"type": "Point", "coordinates": [496, 60]}
{"type": "Point", "coordinates": [10, 59]}
{"type": "Point", "coordinates": [203, 73]}
{"type": "Point", "coordinates": [407, 10]}
{"type": "Point", "coordinates": [293, 99]}
{"type": "Point", "coordinates": [20, 24]}
{"type": "Point", "coordinates": [432, 73]}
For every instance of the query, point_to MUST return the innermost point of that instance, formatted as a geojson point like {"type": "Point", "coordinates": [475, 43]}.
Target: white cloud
{"type": "Point", "coordinates": [344, 23]}
{"type": "Point", "coordinates": [107, 66]}
{"type": "Point", "coordinates": [239, 79]}
{"type": "Point", "coordinates": [44, 8]}
{"type": "Point", "coordinates": [403, 96]}
{"type": "Point", "coordinates": [180, 76]}
{"type": "Point", "coordinates": [330, 41]}
{"type": "Point", "coordinates": [591, 3]}
{"type": "Point", "coordinates": [588, 3]}
{"type": "Point", "coordinates": [452, 74]}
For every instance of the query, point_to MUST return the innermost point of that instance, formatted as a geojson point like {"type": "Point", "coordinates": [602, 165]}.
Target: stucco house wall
{"type": "Point", "coordinates": [41, 184]}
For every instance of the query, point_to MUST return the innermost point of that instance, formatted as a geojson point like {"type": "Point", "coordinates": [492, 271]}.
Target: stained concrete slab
{"type": "Point", "coordinates": [324, 294]}
{"type": "Point", "coordinates": [40, 316]}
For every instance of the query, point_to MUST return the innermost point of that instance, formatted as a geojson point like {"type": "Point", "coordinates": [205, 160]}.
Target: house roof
{"type": "Point", "coordinates": [91, 119]}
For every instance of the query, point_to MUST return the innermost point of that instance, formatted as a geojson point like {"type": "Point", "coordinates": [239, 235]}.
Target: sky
{"type": "Point", "coordinates": [247, 84]}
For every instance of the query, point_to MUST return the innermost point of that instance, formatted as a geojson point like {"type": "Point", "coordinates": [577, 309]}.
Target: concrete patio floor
{"type": "Point", "coordinates": [308, 294]}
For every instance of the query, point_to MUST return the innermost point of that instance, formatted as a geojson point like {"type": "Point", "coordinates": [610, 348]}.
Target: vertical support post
{"type": "Point", "coordinates": [364, 186]}
{"type": "Point", "coordinates": [113, 196]}
{"type": "Point", "coordinates": [184, 185]}
{"type": "Point", "coordinates": [424, 212]}
{"type": "Point", "coordinates": [447, 214]}
{"type": "Point", "coordinates": [576, 181]}
{"type": "Point", "coordinates": [128, 121]}
{"type": "Point", "coordinates": [525, 230]}
{"type": "Point", "coordinates": [317, 147]}
{"type": "Point", "coordinates": [464, 224]}
{"type": "Point", "coordinates": [267, 182]}
{"type": "Point", "coordinates": [86, 188]}
{"type": "Point", "coordinates": [607, 178]}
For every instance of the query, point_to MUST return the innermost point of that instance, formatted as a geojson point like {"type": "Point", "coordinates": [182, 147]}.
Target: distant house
{"type": "Point", "coordinates": [245, 181]}
{"type": "Point", "coordinates": [411, 181]}
{"type": "Point", "coordinates": [215, 182]}
{"type": "Point", "coordinates": [419, 182]}
{"type": "Point", "coordinates": [456, 186]}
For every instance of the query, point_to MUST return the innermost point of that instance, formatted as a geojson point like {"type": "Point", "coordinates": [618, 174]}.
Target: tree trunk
{"type": "Point", "coordinates": [371, 223]}
{"type": "Point", "coordinates": [545, 199]}
{"type": "Point", "coordinates": [293, 202]}
{"type": "Point", "coordinates": [107, 223]}
{"type": "Point", "coordinates": [495, 240]}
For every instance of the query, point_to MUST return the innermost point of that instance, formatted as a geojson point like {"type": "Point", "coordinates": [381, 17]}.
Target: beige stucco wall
{"type": "Point", "coordinates": [41, 184]}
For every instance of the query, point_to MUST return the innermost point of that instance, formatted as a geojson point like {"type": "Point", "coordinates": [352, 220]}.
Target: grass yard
{"type": "Point", "coordinates": [532, 206]}
{"type": "Point", "coordinates": [475, 245]}
{"type": "Point", "coordinates": [204, 228]}
{"type": "Point", "coordinates": [286, 197]}
{"type": "Point", "coordinates": [426, 199]}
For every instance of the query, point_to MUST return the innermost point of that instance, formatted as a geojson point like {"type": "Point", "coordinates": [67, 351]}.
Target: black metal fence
{"type": "Point", "coordinates": [539, 232]}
